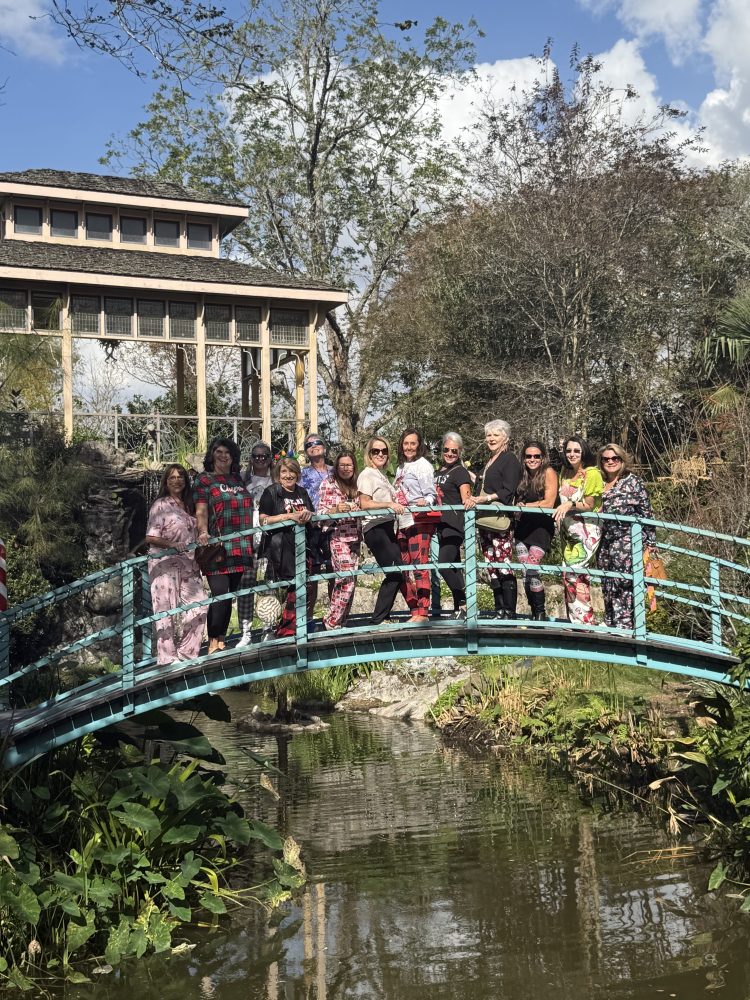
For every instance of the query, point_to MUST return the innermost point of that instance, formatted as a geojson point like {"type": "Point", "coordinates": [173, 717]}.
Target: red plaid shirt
{"type": "Point", "coordinates": [230, 508]}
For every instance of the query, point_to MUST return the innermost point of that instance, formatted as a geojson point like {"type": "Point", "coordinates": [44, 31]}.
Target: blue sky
{"type": "Point", "coordinates": [61, 105]}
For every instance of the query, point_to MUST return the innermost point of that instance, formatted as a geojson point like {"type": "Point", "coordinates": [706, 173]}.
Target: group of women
{"type": "Point", "coordinates": [398, 527]}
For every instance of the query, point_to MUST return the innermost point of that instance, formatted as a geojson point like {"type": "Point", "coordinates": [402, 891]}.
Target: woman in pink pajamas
{"type": "Point", "coordinates": [175, 579]}
{"type": "Point", "coordinates": [338, 494]}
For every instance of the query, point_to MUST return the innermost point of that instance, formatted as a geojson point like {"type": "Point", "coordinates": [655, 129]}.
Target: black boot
{"type": "Point", "coordinates": [536, 603]}
{"type": "Point", "coordinates": [497, 593]}
{"type": "Point", "coordinates": [510, 596]}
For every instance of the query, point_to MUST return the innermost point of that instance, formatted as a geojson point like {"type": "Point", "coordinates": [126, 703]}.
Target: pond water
{"type": "Point", "coordinates": [437, 874]}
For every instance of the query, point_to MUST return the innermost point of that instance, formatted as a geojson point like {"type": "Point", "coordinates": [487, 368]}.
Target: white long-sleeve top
{"type": "Point", "coordinates": [416, 481]}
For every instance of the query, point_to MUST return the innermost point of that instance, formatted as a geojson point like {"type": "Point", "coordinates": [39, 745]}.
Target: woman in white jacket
{"type": "Point", "coordinates": [415, 487]}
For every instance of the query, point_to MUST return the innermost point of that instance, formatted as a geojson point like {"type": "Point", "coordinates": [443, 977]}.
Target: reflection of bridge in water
{"type": "Point", "coordinates": [710, 584]}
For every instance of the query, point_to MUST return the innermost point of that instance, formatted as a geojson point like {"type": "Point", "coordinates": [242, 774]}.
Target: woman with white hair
{"type": "Point", "coordinates": [499, 483]}
{"type": "Point", "coordinates": [453, 484]}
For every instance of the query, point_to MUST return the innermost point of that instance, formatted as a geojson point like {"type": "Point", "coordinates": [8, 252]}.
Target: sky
{"type": "Point", "coordinates": [60, 105]}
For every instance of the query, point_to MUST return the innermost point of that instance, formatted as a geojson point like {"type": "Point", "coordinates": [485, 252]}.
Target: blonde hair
{"type": "Point", "coordinates": [367, 460]}
{"type": "Point", "coordinates": [287, 463]}
{"type": "Point", "coordinates": [620, 452]}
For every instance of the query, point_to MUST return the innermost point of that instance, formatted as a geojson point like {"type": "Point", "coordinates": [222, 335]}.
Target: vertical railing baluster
{"type": "Point", "coordinates": [128, 633]}
{"type": "Point", "coordinates": [146, 610]}
{"type": "Point", "coordinates": [639, 587]}
{"type": "Point", "coordinates": [715, 583]}
{"type": "Point", "coordinates": [470, 550]}
{"type": "Point", "coordinates": [300, 604]}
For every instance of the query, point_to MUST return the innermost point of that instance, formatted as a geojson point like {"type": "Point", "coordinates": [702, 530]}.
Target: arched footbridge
{"type": "Point", "coordinates": [51, 701]}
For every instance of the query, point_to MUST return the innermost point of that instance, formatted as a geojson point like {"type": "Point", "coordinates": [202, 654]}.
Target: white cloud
{"type": "Point", "coordinates": [494, 81]}
{"type": "Point", "coordinates": [725, 110]}
{"type": "Point", "coordinates": [25, 36]}
{"type": "Point", "coordinates": [677, 22]}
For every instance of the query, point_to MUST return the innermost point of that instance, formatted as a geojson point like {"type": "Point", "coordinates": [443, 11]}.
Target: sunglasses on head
{"type": "Point", "coordinates": [378, 451]}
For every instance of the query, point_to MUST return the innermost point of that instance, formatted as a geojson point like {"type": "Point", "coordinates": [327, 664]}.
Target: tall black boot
{"type": "Point", "coordinates": [497, 593]}
{"type": "Point", "coordinates": [536, 603]}
{"type": "Point", "coordinates": [510, 595]}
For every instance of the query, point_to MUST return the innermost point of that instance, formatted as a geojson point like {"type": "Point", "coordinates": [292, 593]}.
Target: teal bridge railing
{"type": "Point", "coordinates": [45, 704]}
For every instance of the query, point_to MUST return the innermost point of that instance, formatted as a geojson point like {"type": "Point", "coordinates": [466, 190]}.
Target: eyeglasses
{"type": "Point", "coordinates": [611, 458]}
{"type": "Point", "coordinates": [450, 451]}
{"type": "Point", "coordinates": [313, 444]}
{"type": "Point", "coordinates": [378, 451]}
{"type": "Point", "coordinates": [529, 455]}
{"type": "Point", "coordinates": [261, 458]}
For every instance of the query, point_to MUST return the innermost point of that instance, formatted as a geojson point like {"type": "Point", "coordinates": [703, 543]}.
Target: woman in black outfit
{"type": "Point", "coordinates": [453, 484]}
{"type": "Point", "coordinates": [535, 531]}
{"type": "Point", "coordinates": [499, 483]}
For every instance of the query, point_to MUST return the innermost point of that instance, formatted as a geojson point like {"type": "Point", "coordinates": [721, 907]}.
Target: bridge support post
{"type": "Point", "coordinates": [470, 545]}
{"type": "Point", "coordinates": [300, 603]}
{"type": "Point", "coordinates": [715, 581]}
{"type": "Point", "coordinates": [639, 586]}
{"type": "Point", "coordinates": [128, 634]}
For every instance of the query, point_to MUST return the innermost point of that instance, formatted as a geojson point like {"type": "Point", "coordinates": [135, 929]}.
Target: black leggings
{"type": "Point", "coordinates": [450, 551]}
{"type": "Point", "coordinates": [381, 541]}
{"type": "Point", "coordinates": [220, 613]}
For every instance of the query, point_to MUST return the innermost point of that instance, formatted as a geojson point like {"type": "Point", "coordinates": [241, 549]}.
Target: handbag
{"type": "Point", "coordinates": [496, 523]}
{"type": "Point", "coordinates": [653, 567]}
{"type": "Point", "coordinates": [210, 557]}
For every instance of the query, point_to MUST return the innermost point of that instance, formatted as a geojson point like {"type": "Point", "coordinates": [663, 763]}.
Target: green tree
{"type": "Point", "coordinates": [325, 122]}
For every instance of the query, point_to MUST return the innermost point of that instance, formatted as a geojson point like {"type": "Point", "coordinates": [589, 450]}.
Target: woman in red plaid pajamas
{"type": "Point", "coordinates": [338, 494]}
{"type": "Point", "coordinates": [223, 506]}
{"type": "Point", "coordinates": [415, 486]}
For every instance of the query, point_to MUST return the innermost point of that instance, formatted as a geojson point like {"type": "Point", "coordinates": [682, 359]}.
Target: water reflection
{"type": "Point", "coordinates": [437, 875]}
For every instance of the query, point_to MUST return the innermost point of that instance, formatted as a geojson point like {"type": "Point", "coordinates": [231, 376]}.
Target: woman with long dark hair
{"type": "Point", "coordinates": [175, 579]}
{"type": "Point", "coordinates": [338, 495]}
{"type": "Point", "coordinates": [224, 506]}
{"type": "Point", "coordinates": [453, 484]}
{"type": "Point", "coordinates": [581, 487]}
{"type": "Point", "coordinates": [415, 487]}
{"type": "Point", "coordinates": [534, 530]}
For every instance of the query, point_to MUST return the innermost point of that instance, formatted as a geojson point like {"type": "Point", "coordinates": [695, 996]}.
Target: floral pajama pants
{"type": "Point", "coordinates": [175, 581]}
{"type": "Point", "coordinates": [414, 543]}
{"type": "Point", "coordinates": [497, 548]}
{"type": "Point", "coordinates": [344, 558]}
{"type": "Point", "coordinates": [618, 594]}
{"type": "Point", "coordinates": [577, 587]}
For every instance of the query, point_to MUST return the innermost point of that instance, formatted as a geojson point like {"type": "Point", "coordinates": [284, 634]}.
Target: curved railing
{"type": "Point", "coordinates": [708, 590]}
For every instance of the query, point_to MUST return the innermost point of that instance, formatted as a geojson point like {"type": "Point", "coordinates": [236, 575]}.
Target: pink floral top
{"type": "Point", "coordinates": [344, 528]}
{"type": "Point", "coordinates": [168, 520]}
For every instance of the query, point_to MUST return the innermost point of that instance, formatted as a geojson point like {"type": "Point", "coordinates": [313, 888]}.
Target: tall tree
{"type": "Point", "coordinates": [575, 285]}
{"type": "Point", "coordinates": [325, 121]}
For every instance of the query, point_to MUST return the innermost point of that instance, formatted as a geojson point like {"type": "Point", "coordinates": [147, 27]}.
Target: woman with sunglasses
{"type": "Point", "coordinates": [415, 487]}
{"type": "Point", "coordinates": [376, 494]}
{"type": "Point", "coordinates": [534, 530]}
{"type": "Point", "coordinates": [453, 484]}
{"type": "Point", "coordinates": [624, 493]}
{"type": "Point", "coordinates": [580, 486]}
{"type": "Point", "coordinates": [500, 479]}
{"type": "Point", "coordinates": [314, 474]}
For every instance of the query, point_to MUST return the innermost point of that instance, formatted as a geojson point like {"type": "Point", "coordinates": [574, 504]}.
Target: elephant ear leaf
{"type": "Point", "coordinates": [8, 846]}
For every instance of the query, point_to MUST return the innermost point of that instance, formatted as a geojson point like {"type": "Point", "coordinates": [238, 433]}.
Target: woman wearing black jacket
{"type": "Point", "coordinates": [499, 483]}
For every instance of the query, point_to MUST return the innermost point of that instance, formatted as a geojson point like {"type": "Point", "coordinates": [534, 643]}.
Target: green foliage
{"type": "Point", "coordinates": [111, 854]}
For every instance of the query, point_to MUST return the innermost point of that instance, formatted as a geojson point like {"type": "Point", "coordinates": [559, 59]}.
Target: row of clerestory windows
{"type": "Point", "coordinates": [28, 220]}
{"type": "Point", "coordinates": [122, 316]}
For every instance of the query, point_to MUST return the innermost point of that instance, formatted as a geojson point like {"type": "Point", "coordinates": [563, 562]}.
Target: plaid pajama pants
{"type": "Point", "coordinates": [345, 558]}
{"type": "Point", "coordinates": [414, 543]}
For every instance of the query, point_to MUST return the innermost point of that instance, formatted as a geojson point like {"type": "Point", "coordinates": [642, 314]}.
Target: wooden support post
{"type": "Point", "coordinates": [200, 379]}
{"type": "Point", "coordinates": [265, 371]}
{"type": "Point", "coordinates": [67, 368]}
{"type": "Point", "coordinates": [245, 369]}
{"type": "Point", "coordinates": [299, 403]}
{"type": "Point", "coordinates": [312, 368]}
{"type": "Point", "coordinates": [254, 395]}
{"type": "Point", "coordinates": [180, 378]}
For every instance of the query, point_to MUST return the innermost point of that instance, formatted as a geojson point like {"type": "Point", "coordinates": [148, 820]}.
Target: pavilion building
{"type": "Point", "coordinates": [119, 259]}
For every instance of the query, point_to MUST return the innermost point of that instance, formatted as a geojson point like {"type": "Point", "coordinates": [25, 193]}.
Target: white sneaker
{"type": "Point", "coordinates": [247, 635]}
